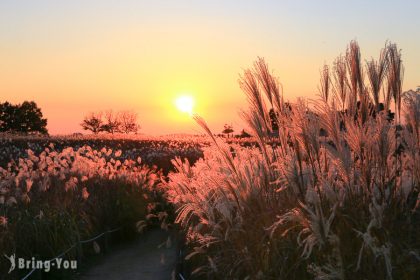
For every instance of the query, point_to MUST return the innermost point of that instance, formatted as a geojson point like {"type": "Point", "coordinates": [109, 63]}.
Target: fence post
{"type": "Point", "coordinates": [79, 252]}
{"type": "Point", "coordinates": [106, 241]}
{"type": "Point", "coordinates": [38, 272]}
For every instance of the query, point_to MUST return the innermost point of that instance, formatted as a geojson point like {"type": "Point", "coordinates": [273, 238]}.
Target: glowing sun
{"type": "Point", "coordinates": [185, 104]}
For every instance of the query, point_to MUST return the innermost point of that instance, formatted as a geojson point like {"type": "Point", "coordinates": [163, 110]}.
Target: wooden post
{"type": "Point", "coordinates": [106, 241]}
{"type": "Point", "coordinates": [38, 274]}
{"type": "Point", "coordinates": [79, 252]}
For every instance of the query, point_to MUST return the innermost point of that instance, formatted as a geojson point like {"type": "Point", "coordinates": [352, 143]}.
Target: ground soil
{"type": "Point", "coordinates": [149, 257]}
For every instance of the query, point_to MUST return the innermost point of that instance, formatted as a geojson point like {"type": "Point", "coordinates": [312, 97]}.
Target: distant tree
{"type": "Point", "coordinates": [24, 118]}
{"type": "Point", "coordinates": [128, 122]}
{"type": "Point", "coordinates": [7, 116]}
{"type": "Point", "coordinates": [93, 122]}
{"type": "Point", "coordinates": [112, 123]}
{"type": "Point", "coordinates": [227, 129]}
{"type": "Point", "coordinates": [31, 118]}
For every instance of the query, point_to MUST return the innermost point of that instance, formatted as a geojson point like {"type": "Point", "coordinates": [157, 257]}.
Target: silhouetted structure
{"type": "Point", "coordinates": [244, 134]}
{"type": "Point", "coordinates": [227, 129]}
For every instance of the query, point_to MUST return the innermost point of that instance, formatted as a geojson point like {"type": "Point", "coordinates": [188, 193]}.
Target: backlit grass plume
{"type": "Point", "coordinates": [331, 189]}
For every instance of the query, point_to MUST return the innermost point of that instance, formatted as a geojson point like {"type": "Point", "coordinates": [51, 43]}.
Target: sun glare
{"type": "Point", "coordinates": [185, 104]}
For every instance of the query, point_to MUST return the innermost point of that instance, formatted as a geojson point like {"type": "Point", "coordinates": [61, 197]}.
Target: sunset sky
{"type": "Point", "coordinates": [76, 57]}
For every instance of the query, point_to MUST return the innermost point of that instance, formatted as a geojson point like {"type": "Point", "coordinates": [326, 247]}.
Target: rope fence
{"type": "Point", "coordinates": [75, 245]}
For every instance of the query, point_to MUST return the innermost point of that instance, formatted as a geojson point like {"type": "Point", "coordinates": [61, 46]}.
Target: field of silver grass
{"type": "Point", "coordinates": [53, 199]}
{"type": "Point", "coordinates": [152, 150]}
{"type": "Point", "coordinates": [331, 191]}
{"type": "Point", "coordinates": [56, 190]}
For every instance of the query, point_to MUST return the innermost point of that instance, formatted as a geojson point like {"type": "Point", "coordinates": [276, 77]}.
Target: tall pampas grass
{"type": "Point", "coordinates": [332, 193]}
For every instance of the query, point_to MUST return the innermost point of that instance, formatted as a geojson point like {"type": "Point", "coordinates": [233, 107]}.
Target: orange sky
{"type": "Point", "coordinates": [75, 58]}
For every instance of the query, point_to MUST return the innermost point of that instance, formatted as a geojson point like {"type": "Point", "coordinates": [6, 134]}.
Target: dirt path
{"type": "Point", "coordinates": [141, 260]}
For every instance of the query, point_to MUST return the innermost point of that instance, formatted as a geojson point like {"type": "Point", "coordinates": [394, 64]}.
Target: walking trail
{"type": "Point", "coordinates": [143, 259]}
